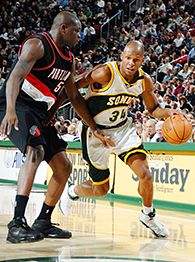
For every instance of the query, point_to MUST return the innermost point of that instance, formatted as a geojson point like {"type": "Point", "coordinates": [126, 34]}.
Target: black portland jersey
{"type": "Point", "coordinates": [41, 86]}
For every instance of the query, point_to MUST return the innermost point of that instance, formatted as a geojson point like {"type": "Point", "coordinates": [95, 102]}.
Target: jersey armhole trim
{"type": "Point", "coordinates": [54, 56]}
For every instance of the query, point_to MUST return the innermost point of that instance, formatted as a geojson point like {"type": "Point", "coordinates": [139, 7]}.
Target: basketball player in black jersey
{"type": "Point", "coordinates": [37, 81]}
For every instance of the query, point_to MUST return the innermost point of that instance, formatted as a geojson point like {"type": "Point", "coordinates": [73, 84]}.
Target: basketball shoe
{"type": "Point", "coordinates": [19, 231]}
{"type": "Point", "coordinates": [70, 185]}
{"type": "Point", "coordinates": [49, 230]}
{"type": "Point", "coordinates": [151, 222]}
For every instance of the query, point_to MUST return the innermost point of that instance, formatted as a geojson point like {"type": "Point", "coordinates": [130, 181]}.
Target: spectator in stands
{"type": "Point", "coordinates": [184, 104]}
{"type": "Point", "coordinates": [167, 101]}
{"type": "Point", "coordinates": [168, 75]}
{"type": "Point", "coordinates": [158, 137]}
{"type": "Point", "coordinates": [1, 80]}
{"type": "Point", "coordinates": [139, 128]}
{"type": "Point", "coordinates": [71, 134]}
{"type": "Point", "coordinates": [149, 131]}
{"type": "Point", "coordinates": [86, 63]}
{"type": "Point", "coordinates": [175, 71]}
{"type": "Point", "coordinates": [89, 34]}
{"type": "Point", "coordinates": [4, 68]}
{"type": "Point", "coordinates": [179, 41]}
{"type": "Point", "coordinates": [180, 87]}
{"type": "Point", "coordinates": [159, 98]}
{"type": "Point", "coordinates": [190, 95]}
{"type": "Point", "coordinates": [79, 69]}
{"type": "Point", "coordinates": [184, 72]}
{"type": "Point", "coordinates": [163, 68]}
{"type": "Point", "coordinates": [191, 56]}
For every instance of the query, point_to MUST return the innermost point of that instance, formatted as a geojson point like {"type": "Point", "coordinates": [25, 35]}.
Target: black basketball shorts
{"type": "Point", "coordinates": [32, 132]}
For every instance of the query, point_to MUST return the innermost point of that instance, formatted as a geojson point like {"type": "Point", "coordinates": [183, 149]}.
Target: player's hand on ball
{"type": "Point", "coordinates": [106, 140]}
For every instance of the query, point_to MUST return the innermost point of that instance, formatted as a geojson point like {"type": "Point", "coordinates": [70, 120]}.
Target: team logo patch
{"type": "Point", "coordinates": [34, 131]}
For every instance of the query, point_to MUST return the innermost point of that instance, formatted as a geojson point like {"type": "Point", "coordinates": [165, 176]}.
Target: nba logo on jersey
{"type": "Point", "coordinates": [34, 131]}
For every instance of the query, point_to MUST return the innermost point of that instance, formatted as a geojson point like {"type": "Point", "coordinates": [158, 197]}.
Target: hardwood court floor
{"type": "Point", "coordinates": [102, 231]}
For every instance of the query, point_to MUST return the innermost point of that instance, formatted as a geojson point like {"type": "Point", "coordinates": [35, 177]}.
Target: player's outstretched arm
{"type": "Point", "coordinates": [151, 102]}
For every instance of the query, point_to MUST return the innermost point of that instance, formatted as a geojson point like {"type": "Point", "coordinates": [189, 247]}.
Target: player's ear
{"type": "Point", "coordinates": [122, 55]}
{"type": "Point", "coordinates": [63, 27]}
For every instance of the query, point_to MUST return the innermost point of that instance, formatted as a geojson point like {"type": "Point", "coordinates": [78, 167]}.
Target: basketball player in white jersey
{"type": "Point", "coordinates": [111, 87]}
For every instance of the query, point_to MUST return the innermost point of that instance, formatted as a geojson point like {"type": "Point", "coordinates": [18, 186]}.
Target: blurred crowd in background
{"type": "Point", "coordinates": [166, 28]}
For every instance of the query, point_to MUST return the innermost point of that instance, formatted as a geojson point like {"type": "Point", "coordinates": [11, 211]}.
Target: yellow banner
{"type": "Point", "coordinates": [173, 178]}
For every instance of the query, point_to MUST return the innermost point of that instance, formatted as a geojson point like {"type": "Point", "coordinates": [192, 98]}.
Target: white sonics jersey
{"type": "Point", "coordinates": [109, 105]}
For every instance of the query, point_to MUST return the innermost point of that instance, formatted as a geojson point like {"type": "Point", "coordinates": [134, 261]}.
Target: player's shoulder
{"type": "Point", "coordinates": [101, 69]}
{"type": "Point", "coordinates": [34, 40]}
{"type": "Point", "coordinates": [101, 73]}
{"type": "Point", "coordinates": [33, 47]}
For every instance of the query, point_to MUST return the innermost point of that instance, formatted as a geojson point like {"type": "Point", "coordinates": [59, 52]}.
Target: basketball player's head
{"type": "Point", "coordinates": [132, 57]}
{"type": "Point", "coordinates": [66, 27]}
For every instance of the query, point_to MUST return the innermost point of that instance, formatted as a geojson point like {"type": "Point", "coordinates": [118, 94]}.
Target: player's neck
{"type": "Point", "coordinates": [130, 78]}
{"type": "Point", "coordinates": [56, 38]}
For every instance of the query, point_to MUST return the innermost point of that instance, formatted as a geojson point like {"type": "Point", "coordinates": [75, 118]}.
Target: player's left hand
{"type": "Point", "coordinates": [106, 140]}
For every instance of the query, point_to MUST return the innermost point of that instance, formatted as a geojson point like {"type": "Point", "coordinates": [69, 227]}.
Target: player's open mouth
{"type": "Point", "coordinates": [130, 69]}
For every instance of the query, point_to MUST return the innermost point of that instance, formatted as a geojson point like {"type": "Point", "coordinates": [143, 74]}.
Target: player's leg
{"type": "Point", "coordinates": [34, 156]}
{"type": "Point", "coordinates": [139, 165]}
{"type": "Point", "coordinates": [89, 188]}
{"type": "Point", "coordinates": [130, 150]}
{"type": "Point", "coordinates": [18, 229]}
{"type": "Point", "coordinates": [61, 166]}
{"type": "Point", "coordinates": [97, 157]}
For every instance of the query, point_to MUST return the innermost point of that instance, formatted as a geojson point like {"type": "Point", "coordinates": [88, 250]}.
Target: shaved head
{"type": "Point", "coordinates": [66, 18]}
{"type": "Point", "coordinates": [66, 29]}
{"type": "Point", "coordinates": [132, 58]}
{"type": "Point", "coordinates": [135, 45]}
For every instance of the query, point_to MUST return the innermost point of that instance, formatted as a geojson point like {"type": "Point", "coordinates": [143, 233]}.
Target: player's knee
{"type": "Point", "coordinates": [68, 167]}
{"type": "Point", "coordinates": [35, 154]}
{"type": "Point", "coordinates": [63, 169]}
{"type": "Point", "coordinates": [101, 190]}
{"type": "Point", "coordinates": [146, 175]}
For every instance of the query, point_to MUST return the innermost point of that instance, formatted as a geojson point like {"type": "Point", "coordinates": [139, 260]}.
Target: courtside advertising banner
{"type": "Point", "coordinates": [11, 161]}
{"type": "Point", "coordinates": [173, 178]}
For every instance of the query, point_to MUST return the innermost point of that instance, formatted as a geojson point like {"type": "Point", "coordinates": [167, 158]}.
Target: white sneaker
{"type": "Point", "coordinates": [154, 224]}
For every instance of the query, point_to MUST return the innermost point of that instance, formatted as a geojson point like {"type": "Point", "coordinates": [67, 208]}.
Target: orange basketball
{"type": "Point", "coordinates": [177, 129]}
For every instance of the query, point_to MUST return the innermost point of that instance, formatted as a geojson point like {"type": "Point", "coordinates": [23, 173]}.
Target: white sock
{"type": "Point", "coordinates": [147, 210]}
{"type": "Point", "coordinates": [71, 191]}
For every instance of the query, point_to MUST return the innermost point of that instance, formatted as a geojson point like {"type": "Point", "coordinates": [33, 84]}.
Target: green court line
{"type": "Point", "coordinates": [13, 182]}
{"type": "Point", "coordinates": [166, 205]}
{"type": "Point", "coordinates": [121, 258]}
{"type": "Point", "coordinates": [187, 147]}
{"type": "Point", "coordinates": [129, 200]}
{"type": "Point", "coordinates": [56, 259]}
